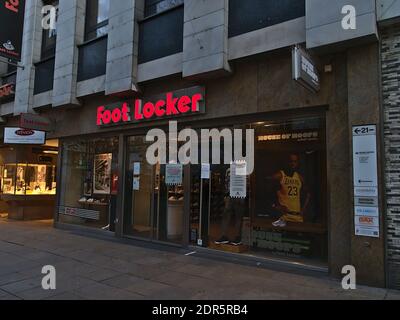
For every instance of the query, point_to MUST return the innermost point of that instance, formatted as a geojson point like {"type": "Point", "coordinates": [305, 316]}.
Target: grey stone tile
{"type": "Point", "coordinates": [99, 291]}
{"type": "Point", "coordinates": [123, 281]}
{"type": "Point", "coordinates": [12, 277]}
{"type": "Point", "coordinates": [19, 286]}
{"type": "Point", "coordinates": [66, 296]}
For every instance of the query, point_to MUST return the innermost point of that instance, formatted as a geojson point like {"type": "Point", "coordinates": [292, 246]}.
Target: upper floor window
{"type": "Point", "coordinates": [49, 33]}
{"type": "Point", "coordinates": [97, 12]}
{"type": "Point", "coordinates": [153, 7]}
{"type": "Point", "coordinates": [250, 15]}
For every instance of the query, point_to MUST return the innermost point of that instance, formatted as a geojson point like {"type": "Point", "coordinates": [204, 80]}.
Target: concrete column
{"type": "Point", "coordinates": [205, 42]}
{"type": "Point", "coordinates": [364, 108]}
{"type": "Point", "coordinates": [31, 48]}
{"type": "Point", "coordinates": [122, 47]}
{"type": "Point", "coordinates": [70, 33]}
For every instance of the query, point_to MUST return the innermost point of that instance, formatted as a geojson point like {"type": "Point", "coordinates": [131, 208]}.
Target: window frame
{"type": "Point", "coordinates": [171, 7]}
{"type": "Point", "coordinates": [89, 29]}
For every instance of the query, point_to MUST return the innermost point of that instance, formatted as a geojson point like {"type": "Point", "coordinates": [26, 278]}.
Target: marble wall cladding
{"type": "Point", "coordinates": [390, 48]}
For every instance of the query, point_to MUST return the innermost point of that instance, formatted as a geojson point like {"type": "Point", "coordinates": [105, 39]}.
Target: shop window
{"type": "Point", "coordinates": [29, 179]}
{"type": "Point", "coordinates": [161, 35]}
{"type": "Point", "coordinates": [89, 183]}
{"type": "Point", "coordinates": [153, 7]}
{"type": "Point", "coordinates": [251, 15]}
{"type": "Point", "coordinates": [97, 14]}
{"type": "Point", "coordinates": [283, 212]}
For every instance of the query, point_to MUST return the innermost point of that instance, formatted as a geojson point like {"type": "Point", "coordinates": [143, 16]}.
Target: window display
{"type": "Point", "coordinates": [29, 179]}
{"type": "Point", "coordinates": [280, 209]}
{"type": "Point", "coordinates": [102, 173]}
{"type": "Point", "coordinates": [90, 175]}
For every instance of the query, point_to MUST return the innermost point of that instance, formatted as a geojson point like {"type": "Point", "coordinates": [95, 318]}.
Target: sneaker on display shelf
{"type": "Point", "coordinates": [223, 240]}
{"type": "Point", "coordinates": [280, 223]}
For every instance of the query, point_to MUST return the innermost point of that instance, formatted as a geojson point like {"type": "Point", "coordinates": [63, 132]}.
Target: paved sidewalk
{"type": "Point", "coordinates": [91, 268]}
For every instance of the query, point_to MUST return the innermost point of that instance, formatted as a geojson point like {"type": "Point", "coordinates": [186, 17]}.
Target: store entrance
{"type": "Point", "coordinates": [154, 196]}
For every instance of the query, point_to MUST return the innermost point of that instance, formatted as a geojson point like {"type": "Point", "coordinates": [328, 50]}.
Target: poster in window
{"type": "Point", "coordinates": [289, 178]}
{"type": "Point", "coordinates": [102, 173]}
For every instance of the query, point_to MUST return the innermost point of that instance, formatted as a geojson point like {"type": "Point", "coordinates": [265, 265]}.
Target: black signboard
{"type": "Point", "coordinates": [11, 28]}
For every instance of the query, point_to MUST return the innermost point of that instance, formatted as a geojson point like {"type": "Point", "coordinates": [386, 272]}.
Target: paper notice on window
{"type": "Point", "coordinates": [136, 168]}
{"type": "Point", "coordinates": [173, 174]}
{"type": "Point", "coordinates": [136, 184]}
{"type": "Point", "coordinates": [238, 186]}
{"type": "Point", "coordinates": [205, 171]}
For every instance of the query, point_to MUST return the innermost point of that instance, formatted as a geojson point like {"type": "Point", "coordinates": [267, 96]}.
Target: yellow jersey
{"type": "Point", "coordinates": [289, 194]}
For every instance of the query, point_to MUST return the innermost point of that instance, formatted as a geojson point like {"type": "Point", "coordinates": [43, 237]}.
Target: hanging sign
{"type": "Point", "coordinates": [305, 70]}
{"type": "Point", "coordinates": [11, 28]}
{"type": "Point", "coordinates": [23, 136]}
{"type": "Point", "coordinates": [365, 178]}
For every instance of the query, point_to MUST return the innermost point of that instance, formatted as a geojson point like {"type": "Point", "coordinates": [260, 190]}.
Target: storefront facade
{"type": "Point", "coordinates": [234, 72]}
{"type": "Point", "coordinates": [106, 183]}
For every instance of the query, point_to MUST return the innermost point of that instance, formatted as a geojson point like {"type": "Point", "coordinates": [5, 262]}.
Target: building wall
{"type": "Point", "coordinates": [390, 46]}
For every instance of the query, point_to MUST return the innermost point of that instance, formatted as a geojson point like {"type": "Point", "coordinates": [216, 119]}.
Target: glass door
{"type": "Point", "coordinates": [138, 218]}
{"type": "Point", "coordinates": [154, 196]}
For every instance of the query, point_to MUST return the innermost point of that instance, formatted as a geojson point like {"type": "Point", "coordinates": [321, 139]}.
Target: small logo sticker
{"type": "Point", "coordinates": [24, 132]}
{"type": "Point", "coordinates": [9, 46]}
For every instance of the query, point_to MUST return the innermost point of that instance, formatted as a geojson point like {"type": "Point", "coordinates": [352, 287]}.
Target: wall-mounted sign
{"type": "Point", "coordinates": [11, 28]}
{"type": "Point", "coordinates": [34, 122]}
{"type": "Point", "coordinates": [296, 136]}
{"type": "Point", "coordinates": [365, 167]}
{"type": "Point", "coordinates": [305, 70]}
{"type": "Point", "coordinates": [23, 136]}
{"type": "Point", "coordinates": [170, 105]}
{"type": "Point", "coordinates": [8, 90]}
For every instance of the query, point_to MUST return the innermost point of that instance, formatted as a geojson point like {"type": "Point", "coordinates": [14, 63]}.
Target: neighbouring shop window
{"type": "Point", "coordinates": [283, 212]}
{"type": "Point", "coordinates": [89, 183]}
{"type": "Point", "coordinates": [34, 175]}
{"type": "Point", "coordinates": [97, 14]}
{"type": "Point", "coordinates": [153, 7]}
{"type": "Point", "coordinates": [49, 36]}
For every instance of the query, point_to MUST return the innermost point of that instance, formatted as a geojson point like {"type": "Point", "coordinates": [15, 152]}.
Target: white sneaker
{"type": "Point", "coordinates": [280, 223]}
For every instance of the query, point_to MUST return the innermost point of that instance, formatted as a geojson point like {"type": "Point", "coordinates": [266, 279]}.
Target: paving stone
{"type": "Point", "coordinates": [89, 268]}
{"type": "Point", "coordinates": [19, 286]}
